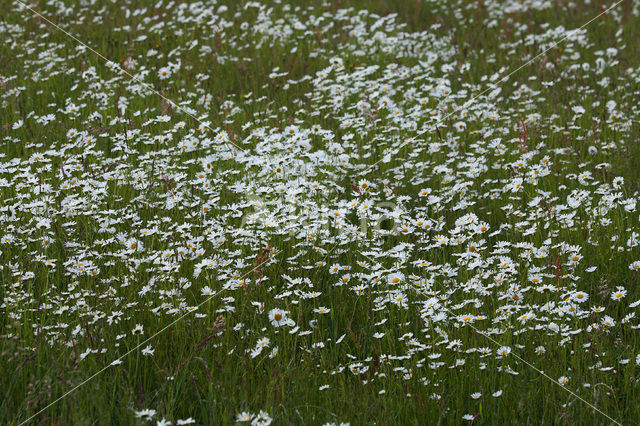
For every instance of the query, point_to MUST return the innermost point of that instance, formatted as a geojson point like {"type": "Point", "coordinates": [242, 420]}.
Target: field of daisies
{"type": "Point", "coordinates": [319, 212]}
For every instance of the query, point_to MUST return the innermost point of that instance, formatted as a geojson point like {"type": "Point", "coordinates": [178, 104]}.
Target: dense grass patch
{"type": "Point", "coordinates": [319, 212]}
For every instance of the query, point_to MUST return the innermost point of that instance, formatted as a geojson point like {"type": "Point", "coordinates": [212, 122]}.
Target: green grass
{"type": "Point", "coordinates": [121, 183]}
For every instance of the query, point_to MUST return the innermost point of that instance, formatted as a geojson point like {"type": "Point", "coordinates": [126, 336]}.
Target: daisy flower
{"type": "Point", "coordinates": [580, 297]}
{"type": "Point", "coordinates": [147, 414]}
{"type": "Point", "coordinates": [504, 351]}
{"type": "Point", "coordinates": [148, 351]}
{"type": "Point", "coordinates": [607, 321]}
{"type": "Point", "coordinates": [278, 317]}
{"type": "Point", "coordinates": [619, 294]}
{"type": "Point", "coordinates": [164, 73]}
{"type": "Point", "coordinates": [245, 416]}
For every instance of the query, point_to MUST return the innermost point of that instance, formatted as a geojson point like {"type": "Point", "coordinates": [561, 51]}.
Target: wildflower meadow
{"type": "Point", "coordinates": [319, 212]}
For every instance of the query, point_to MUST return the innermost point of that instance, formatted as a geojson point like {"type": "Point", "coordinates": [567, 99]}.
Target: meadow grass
{"type": "Point", "coordinates": [353, 235]}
